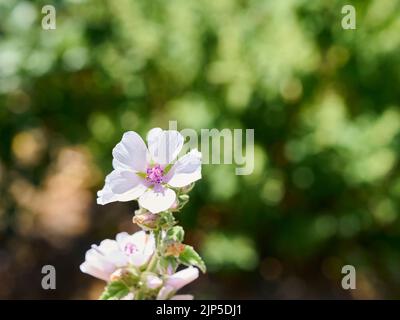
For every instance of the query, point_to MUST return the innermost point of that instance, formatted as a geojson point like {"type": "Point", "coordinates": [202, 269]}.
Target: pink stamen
{"type": "Point", "coordinates": [155, 174]}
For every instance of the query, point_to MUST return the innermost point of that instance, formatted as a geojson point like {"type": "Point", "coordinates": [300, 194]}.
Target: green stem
{"type": "Point", "coordinates": [153, 262]}
{"type": "Point", "coordinates": [154, 259]}
{"type": "Point", "coordinates": [139, 295]}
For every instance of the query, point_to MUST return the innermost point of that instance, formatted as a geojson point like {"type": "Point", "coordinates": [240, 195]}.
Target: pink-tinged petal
{"type": "Point", "coordinates": [164, 146]}
{"type": "Point", "coordinates": [110, 249]}
{"type": "Point", "coordinates": [144, 241]}
{"type": "Point", "coordinates": [88, 268]}
{"type": "Point", "coordinates": [182, 297]}
{"type": "Point", "coordinates": [165, 292]}
{"type": "Point", "coordinates": [103, 260]}
{"type": "Point", "coordinates": [107, 246]}
{"type": "Point", "coordinates": [97, 265]}
{"type": "Point", "coordinates": [138, 259]}
{"type": "Point", "coordinates": [150, 245]}
{"type": "Point", "coordinates": [153, 282]}
{"type": "Point", "coordinates": [186, 170]}
{"type": "Point", "coordinates": [139, 239]}
{"type": "Point", "coordinates": [157, 199]}
{"type": "Point", "coordinates": [122, 182]}
{"type": "Point", "coordinates": [98, 260]}
{"type": "Point", "coordinates": [137, 247]}
{"type": "Point", "coordinates": [120, 238]}
{"type": "Point", "coordinates": [131, 153]}
{"type": "Point", "coordinates": [182, 278]}
{"type": "Point", "coordinates": [170, 269]}
{"type": "Point", "coordinates": [118, 259]}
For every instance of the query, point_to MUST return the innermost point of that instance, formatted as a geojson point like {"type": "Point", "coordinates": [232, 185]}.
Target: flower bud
{"type": "Point", "coordinates": [147, 221]}
{"type": "Point", "coordinates": [175, 206]}
{"type": "Point", "coordinates": [187, 188]}
{"type": "Point", "coordinates": [182, 278]}
{"type": "Point", "coordinates": [184, 198]}
{"type": "Point", "coordinates": [165, 293]}
{"type": "Point", "coordinates": [153, 282]}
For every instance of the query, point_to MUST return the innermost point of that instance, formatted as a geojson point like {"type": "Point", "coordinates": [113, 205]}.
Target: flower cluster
{"type": "Point", "coordinates": [145, 265]}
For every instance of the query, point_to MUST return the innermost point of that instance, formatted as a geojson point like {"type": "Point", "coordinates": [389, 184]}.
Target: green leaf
{"type": "Point", "coordinates": [114, 290]}
{"type": "Point", "coordinates": [190, 257]}
{"type": "Point", "coordinates": [176, 234]}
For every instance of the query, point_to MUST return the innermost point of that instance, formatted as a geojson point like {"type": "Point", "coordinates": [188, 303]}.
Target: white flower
{"type": "Point", "coordinates": [148, 174]}
{"type": "Point", "coordinates": [176, 281]}
{"type": "Point", "coordinates": [127, 250]}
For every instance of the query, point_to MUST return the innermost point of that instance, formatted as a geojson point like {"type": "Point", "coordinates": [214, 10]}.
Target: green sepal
{"type": "Point", "coordinates": [190, 257]}
{"type": "Point", "coordinates": [175, 234]}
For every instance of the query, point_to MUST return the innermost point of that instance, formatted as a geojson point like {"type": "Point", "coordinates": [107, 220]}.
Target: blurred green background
{"type": "Point", "coordinates": [324, 103]}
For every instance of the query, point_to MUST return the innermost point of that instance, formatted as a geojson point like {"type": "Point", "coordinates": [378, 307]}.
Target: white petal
{"type": "Point", "coordinates": [118, 258]}
{"type": "Point", "coordinates": [110, 249]}
{"type": "Point", "coordinates": [139, 239]}
{"type": "Point", "coordinates": [182, 297]}
{"type": "Point", "coordinates": [157, 200]}
{"type": "Point", "coordinates": [108, 246]}
{"type": "Point", "coordinates": [120, 238]}
{"type": "Point", "coordinates": [182, 278]}
{"type": "Point", "coordinates": [150, 245]}
{"type": "Point", "coordinates": [186, 170]}
{"type": "Point", "coordinates": [106, 195]}
{"type": "Point", "coordinates": [152, 137]}
{"type": "Point", "coordinates": [164, 146]}
{"type": "Point", "coordinates": [93, 271]}
{"type": "Point", "coordinates": [131, 153]}
{"type": "Point", "coordinates": [138, 259]}
{"type": "Point", "coordinates": [122, 182]}
{"type": "Point", "coordinates": [98, 260]}
{"type": "Point", "coordinates": [144, 243]}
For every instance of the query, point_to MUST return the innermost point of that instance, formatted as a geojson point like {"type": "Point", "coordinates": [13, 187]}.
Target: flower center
{"type": "Point", "coordinates": [155, 174]}
{"type": "Point", "coordinates": [130, 248]}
